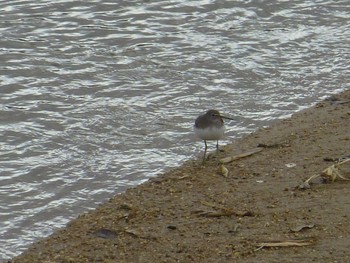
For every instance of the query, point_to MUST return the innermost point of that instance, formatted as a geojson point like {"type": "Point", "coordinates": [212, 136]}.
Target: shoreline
{"type": "Point", "coordinates": [193, 213]}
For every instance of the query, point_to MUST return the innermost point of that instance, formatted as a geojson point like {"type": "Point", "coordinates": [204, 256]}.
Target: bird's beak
{"type": "Point", "coordinates": [228, 118]}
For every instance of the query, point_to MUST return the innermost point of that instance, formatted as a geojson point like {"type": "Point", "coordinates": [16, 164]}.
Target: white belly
{"type": "Point", "coordinates": [212, 133]}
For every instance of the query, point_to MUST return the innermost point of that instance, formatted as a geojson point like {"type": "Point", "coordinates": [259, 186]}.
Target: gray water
{"type": "Point", "coordinates": [98, 96]}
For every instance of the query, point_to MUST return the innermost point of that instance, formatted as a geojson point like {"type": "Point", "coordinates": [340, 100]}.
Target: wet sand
{"type": "Point", "coordinates": [195, 214]}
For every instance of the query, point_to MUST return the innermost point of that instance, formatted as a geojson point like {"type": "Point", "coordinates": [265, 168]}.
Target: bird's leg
{"type": "Point", "coordinates": [205, 150]}
{"type": "Point", "coordinates": [217, 145]}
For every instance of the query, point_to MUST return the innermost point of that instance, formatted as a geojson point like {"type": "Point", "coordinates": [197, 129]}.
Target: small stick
{"type": "Point", "coordinates": [286, 243]}
{"type": "Point", "coordinates": [239, 156]}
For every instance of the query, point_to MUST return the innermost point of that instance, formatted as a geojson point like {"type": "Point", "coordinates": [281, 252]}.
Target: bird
{"type": "Point", "coordinates": [210, 126]}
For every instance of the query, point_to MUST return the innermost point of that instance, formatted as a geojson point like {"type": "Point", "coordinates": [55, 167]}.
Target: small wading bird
{"type": "Point", "coordinates": [210, 126]}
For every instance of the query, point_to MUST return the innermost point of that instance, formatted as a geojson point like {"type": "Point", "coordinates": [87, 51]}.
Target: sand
{"type": "Point", "coordinates": [256, 213]}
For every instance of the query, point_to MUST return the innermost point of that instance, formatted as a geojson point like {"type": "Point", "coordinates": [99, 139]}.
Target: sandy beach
{"type": "Point", "coordinates": [258, 210]}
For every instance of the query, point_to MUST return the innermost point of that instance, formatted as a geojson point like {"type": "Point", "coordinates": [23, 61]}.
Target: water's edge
{"type": "Point", "coordinates": [163, 192]}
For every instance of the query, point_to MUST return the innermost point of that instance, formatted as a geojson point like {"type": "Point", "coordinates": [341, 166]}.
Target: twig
{"type": "Point", "coordinates": [221, 211]}
{"type": "Point", "coordinates": [332, 173]}
{"type": "Point", "coordinates": [286, 243]}
{"type": "Point", "coordinates": [239, 156]}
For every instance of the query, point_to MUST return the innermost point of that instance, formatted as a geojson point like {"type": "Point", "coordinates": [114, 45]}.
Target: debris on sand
{"type": "Point", "coordinates": [287, 243]}
{"type": "Point", "coordinates": [239, 156]}
{"type": "Point", "coordinates": [330, 174]}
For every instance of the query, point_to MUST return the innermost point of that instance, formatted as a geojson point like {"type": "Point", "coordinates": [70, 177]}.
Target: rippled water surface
{"type": "Point", "coordinates": [98, 96]}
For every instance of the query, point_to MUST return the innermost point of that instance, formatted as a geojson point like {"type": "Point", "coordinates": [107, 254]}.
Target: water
{"type": "Point", "coordinates": [99, 96]}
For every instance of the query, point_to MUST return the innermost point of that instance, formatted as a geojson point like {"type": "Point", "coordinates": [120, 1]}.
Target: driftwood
{"type": "Point", "coordinates": [331, 173]}
{"type": "Point", "coordinates": [239, 156]}
{"type": "Point", "coordinates": [221, 211]}
{"type": "Point", "coordinates": [287, 243]}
